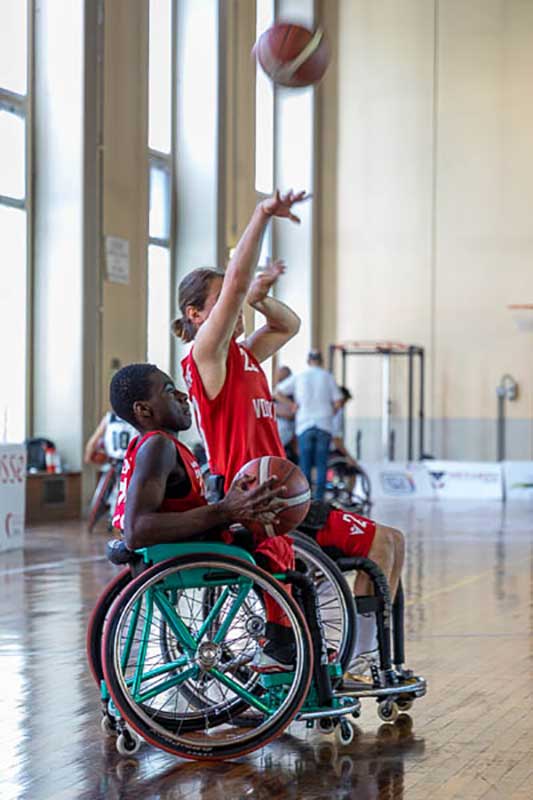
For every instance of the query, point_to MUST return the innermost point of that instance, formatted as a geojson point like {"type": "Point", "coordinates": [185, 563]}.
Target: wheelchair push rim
{"type": "Point", "coordinates": [143, 682]}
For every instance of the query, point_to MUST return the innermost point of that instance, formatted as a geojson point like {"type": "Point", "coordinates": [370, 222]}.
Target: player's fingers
{"type": "Point", "coordinates": [244, 481]}
{"type": "Point", "coordinates": [294, 218]}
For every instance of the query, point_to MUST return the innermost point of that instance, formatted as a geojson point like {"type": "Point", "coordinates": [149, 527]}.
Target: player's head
{"type": "Point", "coordinates": [314, 358]}
{"type": "Point", "coordinates": [198, 293]}
{"type": "Point", "coordinates": [146, 397]}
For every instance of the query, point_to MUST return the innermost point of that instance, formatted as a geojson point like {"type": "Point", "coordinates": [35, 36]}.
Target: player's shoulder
{"type": "Point", "coordinates": [157, 448]}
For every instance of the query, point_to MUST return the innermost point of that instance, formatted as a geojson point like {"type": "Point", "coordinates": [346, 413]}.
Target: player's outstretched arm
{"type": "Point", "coordinates": [214, 336]}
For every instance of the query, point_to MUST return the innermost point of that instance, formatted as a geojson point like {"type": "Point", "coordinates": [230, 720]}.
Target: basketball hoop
{"type": "Point", "coordinates": [522, 316]}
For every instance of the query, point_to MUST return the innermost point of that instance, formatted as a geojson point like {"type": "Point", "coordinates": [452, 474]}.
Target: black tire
{"type": "Point", "coordinates": [184, 737]}
{"type": "Point", "coordinates": [97, 619]}
{"type": "Point", "coordinates": [340, 632]}
{"type": "Point", "coordinates": [99, 505]}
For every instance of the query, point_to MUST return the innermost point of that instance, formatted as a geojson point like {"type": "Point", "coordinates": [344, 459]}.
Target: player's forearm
{"type": "Point", "coordinates": [279, 316]}
{"type": "Point", "coordinates": [243, 263]}
{"type": "Point", "coordinates": [164, 528]}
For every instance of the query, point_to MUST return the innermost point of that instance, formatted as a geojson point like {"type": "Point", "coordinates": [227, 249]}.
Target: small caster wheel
{"type": "Point", "coordinates": [388, 711]}
{"type": "Point", "coordinates": [404, 703]}
{"type": "Point", "coordinates": [345, 732]}
{"type": "Point", "coordinates": [128, 743]}
{"type": "Point", "coordinates": [108, 725]}
{"type": "Point", "coordinates": [325, 725]}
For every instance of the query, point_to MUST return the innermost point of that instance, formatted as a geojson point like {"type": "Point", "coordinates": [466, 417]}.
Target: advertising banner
{"type": "Point", "coordinates": [397, 479]}
{"type": "Point", "coordinates": [12, 495]}
{"type": "Point", "coordinates": [466, 480]}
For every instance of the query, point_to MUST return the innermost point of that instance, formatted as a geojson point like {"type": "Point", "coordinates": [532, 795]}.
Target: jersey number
{"type": "Point", "coordinates": [248, 366]}
{"type": "Point", "coordinates": [121, 440]}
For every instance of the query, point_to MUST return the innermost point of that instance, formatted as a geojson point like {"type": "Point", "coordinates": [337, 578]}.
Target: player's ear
{"type": "Point", "coordinates": [192, 314]}
{"type": "Point", "coordinates": [142, 410]}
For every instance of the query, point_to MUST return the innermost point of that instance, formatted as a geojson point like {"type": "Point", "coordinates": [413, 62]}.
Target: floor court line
{"type": "Point", "coordinates": [50, 565]}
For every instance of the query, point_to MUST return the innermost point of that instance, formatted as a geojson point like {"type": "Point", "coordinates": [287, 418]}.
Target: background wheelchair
{"type": "Point", "coordinates": [172, 638]}
{"type": "Point", "coordinates": [347, 485]}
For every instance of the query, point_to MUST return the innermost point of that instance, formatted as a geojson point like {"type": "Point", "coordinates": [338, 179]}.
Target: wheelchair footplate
{"type": "Point", "coordinates": [394, 692]}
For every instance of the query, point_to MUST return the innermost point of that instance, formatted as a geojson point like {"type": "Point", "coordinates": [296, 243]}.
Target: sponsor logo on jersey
{"type": "Point", "coordinates": [264, 408]}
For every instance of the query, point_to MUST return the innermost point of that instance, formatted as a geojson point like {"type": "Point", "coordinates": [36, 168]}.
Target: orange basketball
{"type": "Point", "coordinates": [293, 55]}
{"type": "Point", "coordinates": [297, 496]}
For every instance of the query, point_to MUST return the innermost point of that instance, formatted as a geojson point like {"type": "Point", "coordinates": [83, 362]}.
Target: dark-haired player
{"type": "Point", "coordinates": [234, 406]}
{"type": "Point", "coordinates": [161, 496]}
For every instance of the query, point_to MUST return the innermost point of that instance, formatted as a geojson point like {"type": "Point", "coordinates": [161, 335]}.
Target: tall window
{"type": "Point", "coordinates": [13, 216]}
{"type": "Point", "coordinates": [160, 161]}
{"type": "Point", "coordinates": [264, 123]}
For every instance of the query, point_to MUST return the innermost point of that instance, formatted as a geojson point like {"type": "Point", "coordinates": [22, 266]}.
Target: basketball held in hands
{"type": "Point", "coordinates": [297, 495]}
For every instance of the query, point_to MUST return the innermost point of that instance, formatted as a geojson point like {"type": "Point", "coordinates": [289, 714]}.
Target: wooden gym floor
{"type": "Point", "coordinates": [469, 587]}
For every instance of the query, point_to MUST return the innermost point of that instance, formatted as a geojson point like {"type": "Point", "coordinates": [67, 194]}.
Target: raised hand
{"type": "Point", "coordinates": [264, 280]}
{"type": "Point", "coordinates": [280, 205]}
{"type": "Point", "coordinates": [262, 503]}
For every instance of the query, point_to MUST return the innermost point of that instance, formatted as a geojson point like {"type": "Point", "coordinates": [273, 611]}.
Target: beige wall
{"type": "Point", "coordinates": [125, 179]}
{"type": "Point", "coordinates": [433, 191]}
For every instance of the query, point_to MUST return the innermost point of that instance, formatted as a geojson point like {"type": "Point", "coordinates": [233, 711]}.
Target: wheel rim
{"type": "Point", "coordinates": [148, 686]}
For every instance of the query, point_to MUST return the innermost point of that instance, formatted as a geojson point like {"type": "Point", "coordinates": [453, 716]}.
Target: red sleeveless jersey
{"type": "Point", "coordinates": [196, 496]}
{"type": "Point", "coordinates": [240, 422]}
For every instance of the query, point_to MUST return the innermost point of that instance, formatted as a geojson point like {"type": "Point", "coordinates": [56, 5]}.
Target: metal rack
{"type": "Point", "coordinates": [388, 350]}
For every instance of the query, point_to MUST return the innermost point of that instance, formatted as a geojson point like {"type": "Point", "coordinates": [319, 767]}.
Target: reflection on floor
{"type": "Point", "coordinates": [469, 588]}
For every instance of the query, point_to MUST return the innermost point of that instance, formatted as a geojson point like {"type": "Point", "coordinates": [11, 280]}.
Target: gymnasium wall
{"type": "Point", "coordinates": [431, 237]}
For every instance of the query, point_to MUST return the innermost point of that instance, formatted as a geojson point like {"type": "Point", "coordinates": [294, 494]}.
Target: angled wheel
{"type": "Point", "coordinates": [210, 657]}
{"type": "Point", "coordinates": [335, 599]}
{"type": "Point", "coordinates": [93, 641]}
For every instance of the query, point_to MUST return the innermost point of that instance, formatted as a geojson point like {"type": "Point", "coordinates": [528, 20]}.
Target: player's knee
{"type": "Point", "coordinates": [397, 540]}
{"type": "Point", "coordinates": [391, 540]}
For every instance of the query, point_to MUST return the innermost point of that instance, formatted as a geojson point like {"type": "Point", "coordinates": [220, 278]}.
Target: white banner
{"type": "Point", "coordinates": [518, 480]}
{"type": "Point", "coordinates": [472, 480]}
{"type": "Point", "coordinates": [12, 495]}
{"type": "Point", "coordinates": [399, 479]}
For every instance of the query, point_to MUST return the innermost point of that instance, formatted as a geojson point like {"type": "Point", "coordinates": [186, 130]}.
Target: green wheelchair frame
{"type": "Point", "coordinates": [125, 693]}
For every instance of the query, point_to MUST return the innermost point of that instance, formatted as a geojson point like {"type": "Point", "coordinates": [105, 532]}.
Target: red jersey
{"type": "Point", "coordinates": [240, 422]}
{"type": "Point", "coordinates": [196, 496]}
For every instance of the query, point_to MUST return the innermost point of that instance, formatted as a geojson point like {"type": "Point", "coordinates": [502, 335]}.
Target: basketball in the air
{"type": "Point", "coordinates": [293, 55]}
{"type": "Point", "coordinates": [297, 495]}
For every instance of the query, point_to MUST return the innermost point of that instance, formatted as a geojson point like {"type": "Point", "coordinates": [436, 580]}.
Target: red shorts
{"type": "Point", "coordinates": [348, 532]}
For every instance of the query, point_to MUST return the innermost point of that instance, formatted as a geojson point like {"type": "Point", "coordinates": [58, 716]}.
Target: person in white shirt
{"type": "Point", "coordinates": [285, 418]}
{"type": "Point", "coordinates": [316, 399]}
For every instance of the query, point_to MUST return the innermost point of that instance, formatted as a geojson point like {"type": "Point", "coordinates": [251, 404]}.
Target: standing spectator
{"type": "Point", "coordinates": [285, 418]}
{"type": "Point", "coordinates": [317, 397]}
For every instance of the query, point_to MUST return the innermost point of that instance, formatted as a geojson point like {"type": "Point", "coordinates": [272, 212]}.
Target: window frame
{"type": "Point", "coordinates": [166, 162]}
{"type": "Point", "coordinates": [22, 106]}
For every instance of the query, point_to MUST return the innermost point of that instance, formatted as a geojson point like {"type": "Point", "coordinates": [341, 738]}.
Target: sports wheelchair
{"type": "Point", "coordinates": [347, 485]}
{"type": "Point", "coordinates": [172, 638]}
